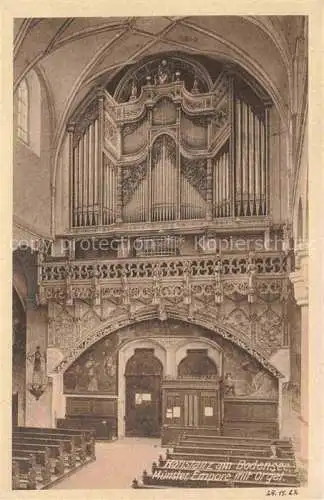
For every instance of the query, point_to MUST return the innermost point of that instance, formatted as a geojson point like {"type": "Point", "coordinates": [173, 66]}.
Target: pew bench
{"type": "Point", "coordinates": [279, 451]}
{"type": "Point", "coordinates": [103, 427]}
{"type": "Point", "coordinates": [85, 438]}
{"type": "Point", "coordinates": [221, 458]}
{"type": "Point", "coordinates": [223, 451]}
{"type": "Point", "coordinates": [42, 461]}
{"type": "Point", "coordinates": [67, 445]}
{"type": "Point", "coordinates": [219, 474]}
{"type": "Point", "coordinates": [78, 439]}
{"type": "Point", "coordinates": [233, 439]}
{"type": "Point", "coordinates": [55, 451]}
{"type": "Point", "coordinates": [24, 472]}
{"type": "Point", "coordinates": [200, 462]}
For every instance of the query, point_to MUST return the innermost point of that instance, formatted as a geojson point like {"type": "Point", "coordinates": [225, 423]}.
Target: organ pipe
{"type": "Point", "coordinates": [238, 157]}
{"type": "Point", "coordinates": [251, 171]}
{"type": "Point", "coordinates": [95, 176]}
{"type": "Point", "coordinates": [221, 187]}
{"type": "Point", "coordinates": [85, 180]}
{"type": "Point", "coordinates": [164, 183]}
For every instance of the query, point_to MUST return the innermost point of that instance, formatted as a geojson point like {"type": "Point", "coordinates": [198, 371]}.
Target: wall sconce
{"type": "Point", "coordinates": [37, 389]}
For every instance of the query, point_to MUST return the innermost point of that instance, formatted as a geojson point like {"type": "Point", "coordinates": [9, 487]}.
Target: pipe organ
{"type": "Point", "coordinates": [170, 153]}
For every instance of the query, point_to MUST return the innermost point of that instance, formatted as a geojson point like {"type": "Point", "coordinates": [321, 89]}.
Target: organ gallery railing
{"type": "Point", "coordinates": [170, 154]}
{"type": "Point", "coordinates": [266, 263]}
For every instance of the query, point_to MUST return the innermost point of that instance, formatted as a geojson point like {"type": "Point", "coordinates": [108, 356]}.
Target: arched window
{"type": "Point", "coordinates": [23, 111]}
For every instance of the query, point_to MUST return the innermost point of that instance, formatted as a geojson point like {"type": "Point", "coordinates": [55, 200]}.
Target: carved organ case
{"type": "Point", "coordinates": [169, 144]}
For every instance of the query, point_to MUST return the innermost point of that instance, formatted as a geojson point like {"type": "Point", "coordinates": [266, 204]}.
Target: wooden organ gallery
{"type": "Point", "coordinates": [159, 321]}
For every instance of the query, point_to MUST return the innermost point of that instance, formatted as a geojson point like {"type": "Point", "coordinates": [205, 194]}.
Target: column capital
{"type": "Point", "coordinates": [300, 288]}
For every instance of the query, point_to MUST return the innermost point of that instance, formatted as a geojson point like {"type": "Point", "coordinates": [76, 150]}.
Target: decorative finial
{"type": "Point", "coordinates": [195, 87]}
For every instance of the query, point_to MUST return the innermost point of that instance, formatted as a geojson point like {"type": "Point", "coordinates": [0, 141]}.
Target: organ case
{"type": "Point", "coordinates": [170, 154]}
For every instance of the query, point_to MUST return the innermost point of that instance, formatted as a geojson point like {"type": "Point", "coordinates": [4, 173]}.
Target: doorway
{"type": "Point", "coordinates": [143, 375]}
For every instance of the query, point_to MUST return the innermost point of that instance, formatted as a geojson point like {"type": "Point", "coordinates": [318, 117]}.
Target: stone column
{"type": "Point", "coordinates": [299, 279]}
{"type": "Point", "coordinates": [54, 356]}
{"type": "Point", "coordinates": [38, 407]}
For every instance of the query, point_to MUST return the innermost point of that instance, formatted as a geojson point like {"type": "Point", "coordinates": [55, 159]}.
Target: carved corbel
{"type": "Point", "coordinates": [191, 312]}
{"type": "Point", "coordinates": [219, 295]}
{"type": "Point", "coordinates": [95, 289]}
{"type": "Point", "coordinates": [162, 312]}
{"type": "Point", "coordinates": [252, 269]}
{"type": "Point", "coordinates": [156, 286]}
{"type": "Point", "coordinates": [186, 284]}
{"type": "Point", "coordinates": [68, 284]}
{"type": "Point", "coordinates": [125, 289]}
{"type": "Point", "coordinates": [286, 238]}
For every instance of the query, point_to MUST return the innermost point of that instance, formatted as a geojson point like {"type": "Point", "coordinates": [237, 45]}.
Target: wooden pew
{"type": "Point", "coordinates": [55, 450]}
{"type": "Point", "coordinates": [24, 472]}
{"type": "Point", "coordinates": [85, 438]}
{"type": "Point", "coordinates": [245, 448]}
{"type": "Point", "coordinates": [73, 427]}
{"type": "Point", "coordinates": [229, 439]}
{"type": "Point", "coordinates": [198, 461]}
{"type": "Point", "coordinates": [41, 458]}
{"type": "Point", "coordinates": [210, 450]}
{"type": "Point", "coordinates": [221, 458]}
{"type": "Point", "coordinates": [206, 473]}
{"type": "Point", "coordinates": [67, 444]}
{"type": "Point", "coordinates": [102, 431]}
{"type": "Point", "coordinates": [15, 483]}
{"type": "Point", "coordinates": [79, 439]}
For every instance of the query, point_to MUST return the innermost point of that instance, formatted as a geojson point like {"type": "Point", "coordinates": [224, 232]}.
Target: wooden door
{"type": "Point", "coordinates": [143, 394]}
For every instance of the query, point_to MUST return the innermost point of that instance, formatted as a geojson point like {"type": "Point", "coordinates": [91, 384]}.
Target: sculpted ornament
{"type": "Point", "coordinates": [218, 284]}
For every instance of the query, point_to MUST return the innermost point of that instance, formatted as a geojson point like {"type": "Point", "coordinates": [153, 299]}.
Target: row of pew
{"type": "Point", "coordinates": [199, 461]}
{"type": "Point", "coordinates": [42, 456]}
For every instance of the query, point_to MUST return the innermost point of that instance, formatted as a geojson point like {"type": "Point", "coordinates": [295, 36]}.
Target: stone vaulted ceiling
{"type": "Point", "coordinates": [74, 55]}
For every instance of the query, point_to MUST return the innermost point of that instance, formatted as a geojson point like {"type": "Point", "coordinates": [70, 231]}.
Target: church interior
{"type": "Point", "coordinates": [160, 257]}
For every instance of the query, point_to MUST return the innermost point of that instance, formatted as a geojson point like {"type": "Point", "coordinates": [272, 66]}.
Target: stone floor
{"type": "Point", "coordinates": [117, 464]}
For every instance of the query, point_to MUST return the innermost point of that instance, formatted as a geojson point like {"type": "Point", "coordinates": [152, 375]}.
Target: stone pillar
{"type": "Point", "coordinates": [299, 279]}
{"type": "Point", "coordinates": [54, 356]}
{"type": "Point", "coordinates": [38, 410]}
{"type": "Point", "coordinates": [58, 398]}
{"type": "Point", "coordinates": [281, 361]}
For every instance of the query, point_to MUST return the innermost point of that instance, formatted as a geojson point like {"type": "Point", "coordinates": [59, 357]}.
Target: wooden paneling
{"type": "Point", "coordinates": [91, 406]}
{"type": "Point", "coordinates": [251, 418]}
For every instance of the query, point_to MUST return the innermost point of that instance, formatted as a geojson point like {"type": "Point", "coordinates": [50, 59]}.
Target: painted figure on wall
{"type": "Point", "coordinates": [244, 377]}
{"type": "Point", "coordinates": [229, 385]}
{"type": "Point", "coordinates": [91, 365]}
{"type": "Point", "coordinates": [95, 371]}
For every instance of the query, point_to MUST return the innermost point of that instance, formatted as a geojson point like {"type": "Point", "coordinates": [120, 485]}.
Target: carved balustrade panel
{"type": "Point", "coordinates": [169, 267]}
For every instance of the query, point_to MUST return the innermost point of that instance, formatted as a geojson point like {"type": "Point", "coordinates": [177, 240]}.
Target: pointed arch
{"type": "Point", "coordinates": [151, 312]}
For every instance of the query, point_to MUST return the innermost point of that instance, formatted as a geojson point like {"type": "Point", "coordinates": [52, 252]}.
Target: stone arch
{"type": "Point", "coordinates": [151, 312]}
{"type": "Point", "coordinates": [214, 352]}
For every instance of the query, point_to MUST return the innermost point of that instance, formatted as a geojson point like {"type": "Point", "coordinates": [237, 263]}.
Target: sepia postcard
{"type": "Point", "coordinates": [162, 231]}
